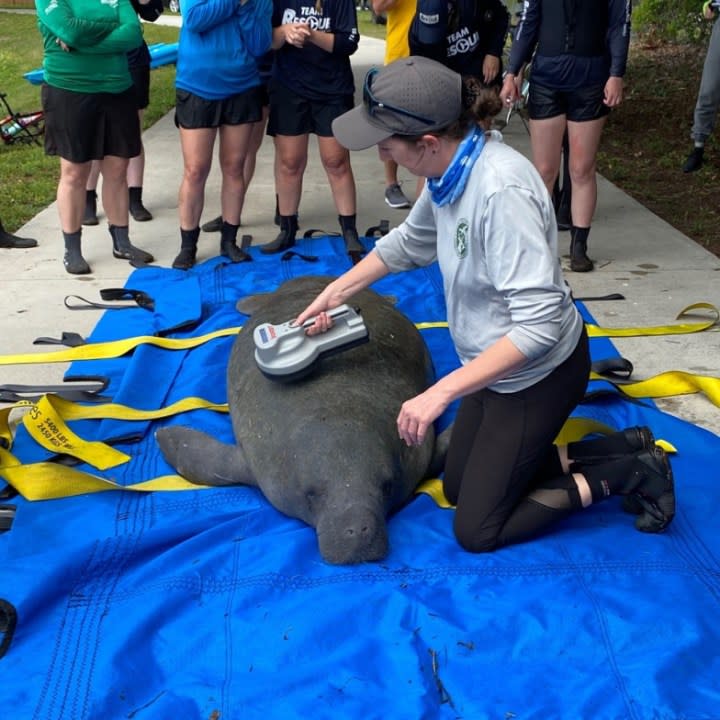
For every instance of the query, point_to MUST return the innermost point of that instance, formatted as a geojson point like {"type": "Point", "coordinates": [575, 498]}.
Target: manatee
{"type": "Point", "coordinates": [324, 449]}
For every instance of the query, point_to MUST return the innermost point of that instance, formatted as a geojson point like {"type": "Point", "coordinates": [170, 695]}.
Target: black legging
{"type": "Point", "coordinates": [502, 450]}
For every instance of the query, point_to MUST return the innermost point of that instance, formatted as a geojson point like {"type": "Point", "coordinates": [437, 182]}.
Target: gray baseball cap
{"type": "Point", "coordinates": [410, 96]}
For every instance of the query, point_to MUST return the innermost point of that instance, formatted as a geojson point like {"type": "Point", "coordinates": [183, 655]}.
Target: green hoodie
{"type": "Point", "coordinates": [98, 34]}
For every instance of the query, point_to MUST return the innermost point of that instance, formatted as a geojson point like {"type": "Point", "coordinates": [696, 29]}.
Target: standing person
{"type": "Point", "coordinates": [708, 99]}
{"type": "Point", "coordinates": [466, 35]}
{"type": "Point", "coordinates": [90, 113]}
{"type": "Point", "coordinates": [312, 84]}
{"type": "Point", "coordinates": [139, 64]}
{"type": "Point", "coordinates": [219, 92]}
{"type": "Point", "coordinates": [399, 14]}
{"type": "Point", "coordinates": [256, 137]}
{"type": "Point", "coordinates": [581, 51]}
{"type": "Point", "coordinates": [487, 218]}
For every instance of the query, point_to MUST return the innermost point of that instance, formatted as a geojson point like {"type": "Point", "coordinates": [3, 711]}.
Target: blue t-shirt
{"type": "Point", "coordinates": [309, 71]}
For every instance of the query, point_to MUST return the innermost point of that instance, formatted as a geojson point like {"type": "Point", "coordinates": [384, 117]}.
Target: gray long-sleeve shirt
{"type": "Point", "coordinates": [497, 251]}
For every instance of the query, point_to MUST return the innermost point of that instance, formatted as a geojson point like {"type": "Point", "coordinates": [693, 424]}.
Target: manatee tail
{"type": "Point", "coordinates": [203, 460]}
{"type": "Point", "coordinates": [437, 463]}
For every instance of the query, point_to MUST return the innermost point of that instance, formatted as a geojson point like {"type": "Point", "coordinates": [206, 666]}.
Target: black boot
{"type": "Point", "coordinates": [73, 260]}
{"type": "Point", "coordinates": [123, 249]}
{"type": "Point", "coordinates": [610, 447]}
{"type": "Point", "coordinates": [579, 261]}
{"type": "Point", "coordinates": [350, 234]}
{"type": "Point", "coordinates": [285, 238]}
{"type": "Point", "coordinates": [695, 159]}
{"type": "Point", "coordinates": [188, 249]}
{"type": "Point", "coordinates": [137, 209]}
{"type": "Point", "coordinates": [228, 244]}
{"type": "Point", "coordinates": [90, 217]}
{"type": "Point", "coordinates": [646, 477]}
{"type": "Point", "coordinates": [8, 240]}
{"type": "Point", "coordinates": [214, 225]}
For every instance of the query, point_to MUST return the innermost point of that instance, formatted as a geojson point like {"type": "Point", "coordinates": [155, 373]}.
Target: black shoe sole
{"type": "Point", "coordinates": [136, 255]}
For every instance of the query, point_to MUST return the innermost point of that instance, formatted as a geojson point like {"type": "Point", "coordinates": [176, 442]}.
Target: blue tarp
{"type": "Point", "coordinates": [210, 604]}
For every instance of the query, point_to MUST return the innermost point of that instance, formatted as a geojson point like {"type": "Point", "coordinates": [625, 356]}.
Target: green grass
{"type": "Point", "coordinates": [28, 179]}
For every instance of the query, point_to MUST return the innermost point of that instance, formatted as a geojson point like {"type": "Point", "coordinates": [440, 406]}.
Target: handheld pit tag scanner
{"type": "Point", "coordinates": [284, 352]}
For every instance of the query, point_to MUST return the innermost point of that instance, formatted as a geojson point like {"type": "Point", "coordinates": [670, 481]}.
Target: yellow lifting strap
{"type": "Point", "coordinates": [118, 348]}
{"type": "Point", "coordinates": [114, 348]}
{"type": "Point", "coordinates": [45, 420]}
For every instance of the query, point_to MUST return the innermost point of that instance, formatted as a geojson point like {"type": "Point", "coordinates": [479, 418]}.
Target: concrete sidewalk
{"type": "Point", "coordinates": [656, 268]}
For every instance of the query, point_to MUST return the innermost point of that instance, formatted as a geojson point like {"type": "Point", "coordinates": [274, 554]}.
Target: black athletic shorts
{"type": "Point", "coordinates": [578, 105]}
{"type": "Point", "coordinates": [141, 82]}
{"type": "Point", "coordinates": [291, 114]}
{"type": "Point", "coordinates": [193, 112]}
{"type": "Point", "coordinates": [80, 127]}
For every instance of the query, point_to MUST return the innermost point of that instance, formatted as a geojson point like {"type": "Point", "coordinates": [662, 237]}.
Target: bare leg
{"type": "Point", "coordinates": [197, 147]}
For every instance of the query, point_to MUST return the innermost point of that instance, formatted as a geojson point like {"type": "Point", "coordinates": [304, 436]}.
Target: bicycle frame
{"type": "Point", "coordinates": [21, 127]}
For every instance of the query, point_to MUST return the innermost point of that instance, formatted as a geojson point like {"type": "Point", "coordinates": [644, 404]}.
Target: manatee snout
{"type": "Point", "coordinates": [352, 536]}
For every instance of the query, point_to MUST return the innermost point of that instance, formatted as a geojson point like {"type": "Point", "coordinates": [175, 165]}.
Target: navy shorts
{"type": "Point", "coordinates": [80, 127]}
{"type": "Point", "coordinates": [193, 112]}
{"type": "Point", "coordinates": [578, 105]}
{"type": "Point", "coordinates": [292, 114]}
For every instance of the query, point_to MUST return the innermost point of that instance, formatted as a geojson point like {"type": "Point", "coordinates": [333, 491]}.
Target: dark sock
{"type": "Point", "coordinates": [188, 249]}
{"type": "Point", "coordinates": [286, 236]}
{"type": "Point", "coordinates": [347, 222]}
{"type": "Point", "coordinates": [73, 260]}
{"type": "Point", "coordinates": [228, 243]}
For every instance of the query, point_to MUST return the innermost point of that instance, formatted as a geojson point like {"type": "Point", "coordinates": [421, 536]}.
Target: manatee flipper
{"type": "Point", "coordinates": [437, 463]}
{"type": "Point", "coordinates": [203, 460]}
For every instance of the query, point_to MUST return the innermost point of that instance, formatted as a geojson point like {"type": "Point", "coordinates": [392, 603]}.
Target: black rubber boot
{"type": "Point", "coordinates": [285, 238]}
{"type": "Point", "coordinates": [350, 233]}
{"type": "Point", "coordinates": [695, 159]}
{"type": "Point", "coordinates": [90, 217]}
{"type": "Point", "coordinates": [647, 478]}
{"type": "Point", "coordinates": [123, 249]}
{"type": "Point", "coordinates": [138, 211]}
{"type": "Point", "coordinates": [188, 249]}
{"type": "Point", "coordinates": [277, 211]}
{"type": "Point", "coordinates": [579, 261]}
{"type": "Point", "coordinates": [228, 244]}
{"type": "Point", "coordinates": [214, 225]}
{"type": "Point", "coordinates": [8, 240]}
{"type": "Point", "coordinates": [610, 447]}
{"type": "Point", "coordinates": [73, 260]}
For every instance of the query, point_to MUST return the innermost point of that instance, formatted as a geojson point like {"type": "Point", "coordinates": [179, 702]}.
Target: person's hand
{"type": "Point", "coordinates": [418, 413]}
{"type": "Point", "coordinates": [326, 300]}
{"type": "Point", "coordinates": [613, 93]}
{"type": "Point", "coordinates": [509, 92]}
{"type": "Point", "coordinates": [491, 67]}
{"type": "Point", "coordinates": [708, 10]}
{"type": "Point", "coordinates": [296, 34]}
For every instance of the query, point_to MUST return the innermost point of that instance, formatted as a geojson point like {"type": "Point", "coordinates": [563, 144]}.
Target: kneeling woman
{"type": "Point", "coordinates": [486, 217]}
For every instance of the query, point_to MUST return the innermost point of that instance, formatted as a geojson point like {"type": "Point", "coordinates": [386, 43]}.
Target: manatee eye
{"type": "Point", "coordinates": [387, 488]}
{"type": "Point", "coordinates": [311, 498]}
